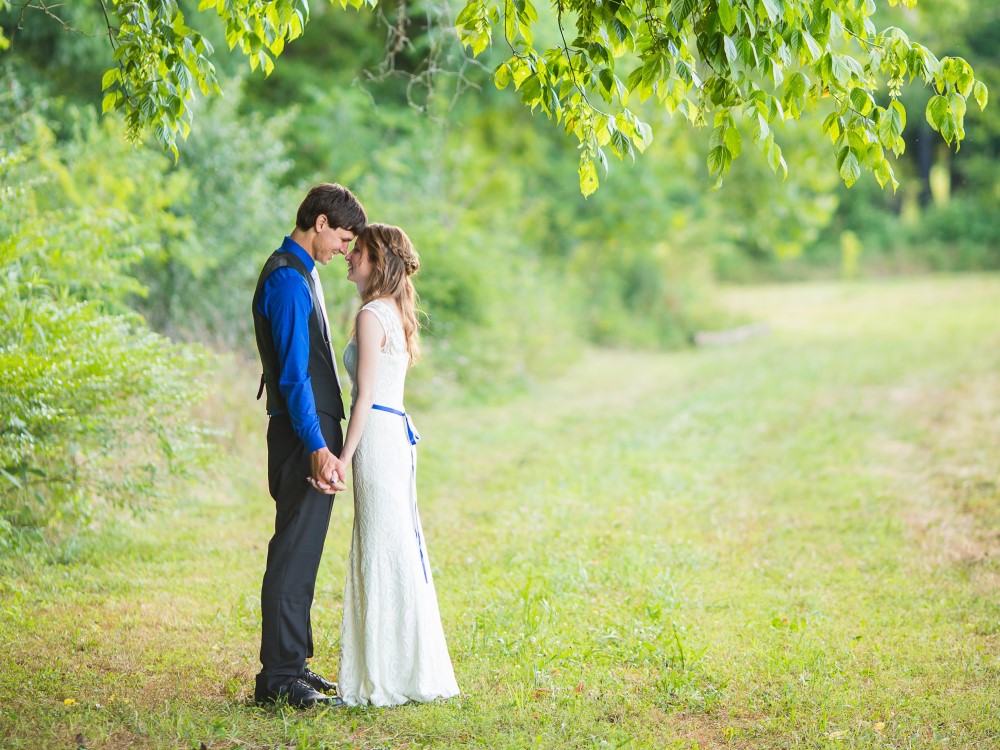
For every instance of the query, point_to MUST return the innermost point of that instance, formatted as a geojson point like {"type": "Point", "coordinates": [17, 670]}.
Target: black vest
{"type": "Point", "coordinates": [322, 372]}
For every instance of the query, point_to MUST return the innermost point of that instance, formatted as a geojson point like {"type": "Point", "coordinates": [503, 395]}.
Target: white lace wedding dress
{"type": "Point", "coordinates": [392, 646]}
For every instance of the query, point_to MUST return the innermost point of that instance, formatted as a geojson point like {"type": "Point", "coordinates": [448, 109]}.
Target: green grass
{"type": "Point", "coordinates": [787, 543]}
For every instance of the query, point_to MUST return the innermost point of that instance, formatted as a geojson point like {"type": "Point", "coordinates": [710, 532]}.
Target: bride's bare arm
{"type": "Point", "coordinates": [370, 336]}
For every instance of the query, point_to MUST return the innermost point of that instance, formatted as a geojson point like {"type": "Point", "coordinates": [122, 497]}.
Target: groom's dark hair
{"type": "Point", "coordinates": [339, 205]}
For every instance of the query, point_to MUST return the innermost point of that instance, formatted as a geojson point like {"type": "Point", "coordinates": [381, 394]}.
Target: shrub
{"type": "Point", "coordinates": [93, 405]}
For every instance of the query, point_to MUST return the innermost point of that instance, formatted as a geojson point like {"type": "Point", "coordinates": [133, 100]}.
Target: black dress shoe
{"type": "Point", "coordinates": [321, 684]}
{"type": "Point", "coordinates": [300, 694]}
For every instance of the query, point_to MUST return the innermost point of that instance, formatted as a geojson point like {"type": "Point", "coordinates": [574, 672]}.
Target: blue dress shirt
{"type": "Point", "coordinates": [285, 300]}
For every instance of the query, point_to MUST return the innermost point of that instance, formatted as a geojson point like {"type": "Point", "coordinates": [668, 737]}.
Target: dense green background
{"type": "Point", "coordinates": [519, 270]}
{"type": "Point", "coordinates": [121, 255]}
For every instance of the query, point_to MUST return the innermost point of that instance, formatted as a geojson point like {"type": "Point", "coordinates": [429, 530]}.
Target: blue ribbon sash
{"type": "Point", "coordinates": [414, 437]}
{"type": "Point", "coordinates": [411, 431]}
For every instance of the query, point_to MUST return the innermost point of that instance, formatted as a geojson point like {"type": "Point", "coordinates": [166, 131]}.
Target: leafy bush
{"type": "Point", "coordinates": [956, 236]}
{"type": "Point", "coordinates": [961, 235]}
{"type": "Point", "coordinates": [235, 210]}
{"type": "Point", "coordinates": [93, 405]}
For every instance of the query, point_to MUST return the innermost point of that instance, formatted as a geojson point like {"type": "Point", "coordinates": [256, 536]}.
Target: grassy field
{"type": "Point", "coordinates": [787, 543]}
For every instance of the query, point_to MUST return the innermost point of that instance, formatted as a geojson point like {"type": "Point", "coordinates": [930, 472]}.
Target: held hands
{"type": "Point", "coordinates": [328, 472]}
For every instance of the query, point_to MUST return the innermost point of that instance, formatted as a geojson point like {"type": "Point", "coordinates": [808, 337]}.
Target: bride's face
{"type": "Point", "coordinates": [359, 267]}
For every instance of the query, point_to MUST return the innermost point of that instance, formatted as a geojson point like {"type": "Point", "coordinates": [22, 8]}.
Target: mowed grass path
{"type": "Point", "coordinates": [790, 542]}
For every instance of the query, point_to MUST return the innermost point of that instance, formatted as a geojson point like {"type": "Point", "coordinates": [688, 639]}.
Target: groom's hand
{"type": "Point", "coordinates": [328, 473]}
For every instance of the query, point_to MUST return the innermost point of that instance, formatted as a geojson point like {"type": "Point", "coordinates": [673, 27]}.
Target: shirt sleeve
{"type": "Point", "coordinates": [287, 304]}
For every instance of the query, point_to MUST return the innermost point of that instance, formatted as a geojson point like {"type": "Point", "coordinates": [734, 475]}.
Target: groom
{"type": "Point", "coordinates": [304, 436]}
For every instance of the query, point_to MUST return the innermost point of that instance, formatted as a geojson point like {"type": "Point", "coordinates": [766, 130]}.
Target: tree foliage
{"type": "Point", "coordinates": [161, 60]}
{"type": "Point", "coordinates": [726, 63]}
{"type": "Point", "coordinates": [741, 67]}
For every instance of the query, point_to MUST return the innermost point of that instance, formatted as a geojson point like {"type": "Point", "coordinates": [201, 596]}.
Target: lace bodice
{"type": "Point", "coordinates": [394, 360]}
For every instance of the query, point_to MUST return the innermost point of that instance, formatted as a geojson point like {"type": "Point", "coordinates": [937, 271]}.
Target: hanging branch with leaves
{"type": "Point", "coordinates": [743, 65]}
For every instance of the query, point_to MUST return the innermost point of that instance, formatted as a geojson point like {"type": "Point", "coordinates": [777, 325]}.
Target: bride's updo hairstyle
{"type": "Point", "coordinates": [393, 261]}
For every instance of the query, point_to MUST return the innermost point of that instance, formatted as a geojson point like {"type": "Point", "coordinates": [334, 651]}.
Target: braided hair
{"type": "Point", "coordinates": [393, 261]}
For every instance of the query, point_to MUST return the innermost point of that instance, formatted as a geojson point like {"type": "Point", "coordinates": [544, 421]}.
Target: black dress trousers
{"type": "Point", "coordinates": [302, 518]}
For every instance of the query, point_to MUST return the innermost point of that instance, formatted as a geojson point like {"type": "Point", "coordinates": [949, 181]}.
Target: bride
{"type": "Point", "coordinates": [392, 647]}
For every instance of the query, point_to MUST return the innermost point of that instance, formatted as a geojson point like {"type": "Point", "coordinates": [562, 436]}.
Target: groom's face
{"type": "Point", "coordinates": [331, 241]}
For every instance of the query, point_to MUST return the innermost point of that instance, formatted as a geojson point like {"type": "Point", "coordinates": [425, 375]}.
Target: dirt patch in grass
{"type": "Point", "coordinates": [951, 471]}
{"type": "Point", "coordinates": [721, 729]}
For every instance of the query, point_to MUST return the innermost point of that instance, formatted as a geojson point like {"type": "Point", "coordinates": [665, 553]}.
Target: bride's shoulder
{"type": "Point", "coordinates": [377, 303]}
{"type": "Point", "coordinates": [384, 308]}
{"type": "Point", "coordinates": [381, 310]}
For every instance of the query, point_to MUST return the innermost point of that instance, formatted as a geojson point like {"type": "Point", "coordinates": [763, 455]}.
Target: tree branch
{"type": "Point", "coordinates": [107, 20]}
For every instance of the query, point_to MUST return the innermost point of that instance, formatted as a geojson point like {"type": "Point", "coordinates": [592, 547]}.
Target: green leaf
{"type": "Point", "coordinates": [588, 176]}
{"type": "Point", "coordinates": [811, 45]}
{"type": "Point", "coordinates": [607, 79]}
{"type": "Point", "coordinates": [839, 69]}
{"type": "Point", "coordinates": [110, 101]}
{"type": "Point", "coordinates": [727, 15]}
{"type": "Point", "coordinates": [509, 21]}
{"type": "Point", "coordinates": [889, 127]}
{"type": "Point", "coordinates": [774, 157]}
{"type": "Point", "coordinates": [622, 32]}
{"type": "Point", "coordinates": [730, 47]}
{"type": "Point", "coordinates": [771, 10]}
{"type": "Point", "coordinates": [957, 104]}
{"type": "Point", "coordinates": [900, 112]}
{"type": "Point", "coordinates": [775, 70]}
{"type": "Point", "coordinates": [621, 144]}
{"type": "Point", "coordinates": [681, 9]}
{"type": "Point", "coordinates": [963, 76]}
{"type": "Point", "coordinates": [472, 27]}
{"type": "Point", "coordinates": [719, 160]}
{"type": "Point", "coordinates": [760, 128]}
{"type": "Point", "coordinates": [551, 102]}
{"type": "Point", "coordinates": [833, 126]}
{"type": "Point", "coordinates": [111, 76]}
{"type": "Point", "coordinates": [937, 112]}
{"type": "Point", "coordinates": [734, 141]}
{"type": "Point", "coordinates": [747, 51]}
{"type": "Point", "coordinates": [883, 173]}
{"type": "Point", "coordinates": [862, 100]}
{"type": "Point", "coordinates": [795, 88]}
{"type": "Point", "coordinates": [645, 133]}
{"type": "Point", "coordinates": [531, 90]}
{"type": "Point", "coordinates": [718, 136]}
{"type": "Point", "coordinates": [850, 169]}
{"type": "Point", "coordinates": [501, 76]}
{"type": "Point", "coordinates": [836, 26]}
{"type": "Point", "coordinates": [982, 94]}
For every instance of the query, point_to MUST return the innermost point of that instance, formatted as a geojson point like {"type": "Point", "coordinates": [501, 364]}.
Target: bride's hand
{"type": "Point", "coordinates": [328, 472]}
{"type": "Point", "coordinates": [327, 488]}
